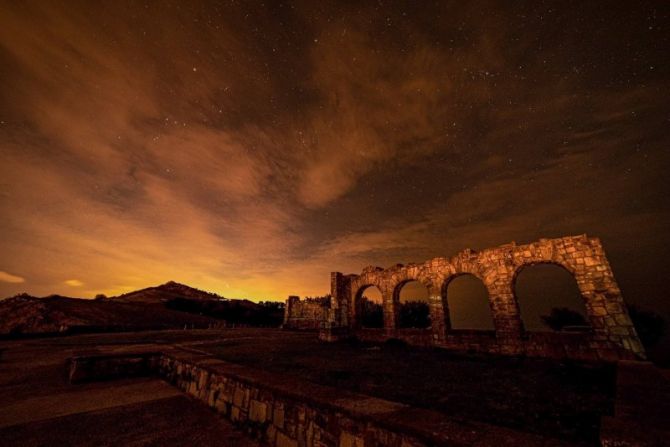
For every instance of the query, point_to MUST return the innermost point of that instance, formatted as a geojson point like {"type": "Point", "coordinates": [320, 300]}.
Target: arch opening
{"type": "Point", "coordinates": [466, 302]}
{"type": "Point", "coordinates": [412, 306]}
{"type": "Point", "coordinates": [549, 299]}
{"type": "Point", "coordinates": [370, 309]}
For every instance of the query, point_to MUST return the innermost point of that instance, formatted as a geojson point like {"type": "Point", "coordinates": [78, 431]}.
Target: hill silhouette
{"type": "Point", "coordinates": [168, 291]}
{"type": "Point", "coordinates": [170, 305]}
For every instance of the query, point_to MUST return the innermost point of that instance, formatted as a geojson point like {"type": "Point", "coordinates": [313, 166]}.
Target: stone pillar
{"type": "Point", "coordinates": [341, 297]}
{"type": "Point", "coordinates": [605, 306]}
{"type": "Point", "coordinates": [336, 325]}
{"type": "Point", "coordinates": [439, 316]}
{"type": "Point", "coordinates": [444, 299]}
{"type": "Point", "coordinates": [505, 311]}
{"type": "Point", "coordinates": [288, 309]}
{"type": "Point", "coordinates": [390, 309]}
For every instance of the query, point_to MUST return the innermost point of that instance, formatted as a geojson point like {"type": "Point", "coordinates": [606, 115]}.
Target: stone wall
{"type": "Point", "coordinates": [306, 314]}
{"type": "Point", "coordinates": [283, 411]}
{"type": "Point", "coordinates": [612, 335]}
{"type": "Point", "coordinates": [84, 368]}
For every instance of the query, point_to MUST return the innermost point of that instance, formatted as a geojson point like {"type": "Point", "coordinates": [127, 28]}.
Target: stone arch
{"type": "Point", "coordinates": [612, 334]}
{"type": "Point", "coordinates": [398, 306]}
{"type": "Point", "coordinates": [448, 307]}
{"type": "Point", "coordinates": [401, 276]}
{"type": "Point", "coordinates": [358, 289]}
{"type": "Point", "coordinates": [572, 273]}
{"type": "Point", "coordinates": [360, 307]}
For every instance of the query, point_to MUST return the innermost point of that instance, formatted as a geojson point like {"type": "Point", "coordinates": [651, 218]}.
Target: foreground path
{"type": "Point", "coordinates": [39, 408]}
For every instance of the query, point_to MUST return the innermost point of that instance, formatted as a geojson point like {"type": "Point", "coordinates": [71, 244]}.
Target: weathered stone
{"type": "Point", "coordinates": [323, 420]}
{"type": "Point", "coordinates": [257, 411]}
{"type": "Point", "coordinates": [305, 314]}
{"type": "Point", "coordinates": [271, 434]}
{"type": "Point", "coordinates": [278, 416]}
{"type": "Point", "coordinates": [405, 442]}
{"type": "Point", "coordinates": [221, 406]}
{"type": "Point", "coordinates": [247, 396]}
{"type": "Point", "coordinates": [622, 319]}
{"type": "Point", "coordinates": [599, 311]}
{"type": "Point", "coordinates": [235, 414]}
{"type": "Point", "coordinates": [238, 397]}
{"type": "Point", "coordinates": [497, 267]}
{"type": "Point", "coordinates": [285, 441]}
{"type": "Point", "coordinates": [350, 440]}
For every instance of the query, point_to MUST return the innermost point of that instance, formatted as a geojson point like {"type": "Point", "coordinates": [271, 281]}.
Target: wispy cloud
{"type": "Point", "coordinates": [74, 283]}
{"type": "Point", "coordinates": [358, 139]}
{"type": "Point", "coordinates": [12, 279]}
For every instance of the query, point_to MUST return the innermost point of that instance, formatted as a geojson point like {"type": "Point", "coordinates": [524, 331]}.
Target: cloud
{"type": "Point", "coordinates": [358, 139]}
{"type": "Point", "coordinates": [12, 279]}
{"type": "Point", "coordinates": [73, 282]}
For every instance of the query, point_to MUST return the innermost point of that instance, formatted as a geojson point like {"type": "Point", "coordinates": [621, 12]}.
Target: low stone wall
{"type": "Point", "coordinates": [557, 345]}
{"type": "Point", "coordinates": [307, 314]}
{"type": "Point", "coordinates": [283, 411]}
{"type": "Point", "coordinates": [86, 368]}
{"type": "Point", "coordinates": [457, 340]}
{"type": "Point", "coordinates": [415, 337]}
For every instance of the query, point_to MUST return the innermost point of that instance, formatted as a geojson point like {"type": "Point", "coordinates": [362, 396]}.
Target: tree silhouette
{"type": "Point", "coordinates": [563, 317]}
{"type": "Point", "coordinates": [372, 314]}
{"type": "Point", "coordinates": [649, 325]}
{"type": "Point", "coordinates": [414, 314]}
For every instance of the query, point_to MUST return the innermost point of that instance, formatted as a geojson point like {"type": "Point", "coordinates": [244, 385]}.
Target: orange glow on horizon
{"type": "Point", "coordinates": [252, 153]}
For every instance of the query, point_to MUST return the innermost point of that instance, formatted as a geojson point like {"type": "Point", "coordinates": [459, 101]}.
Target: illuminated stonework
{"type": "Point", "coordinates": [306, 314]}
{"type": "Point", "coordinates": [612, 335]}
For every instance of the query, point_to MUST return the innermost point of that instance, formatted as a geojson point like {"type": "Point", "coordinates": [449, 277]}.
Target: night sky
{"type": "Point", "coordinates": [252, 148]}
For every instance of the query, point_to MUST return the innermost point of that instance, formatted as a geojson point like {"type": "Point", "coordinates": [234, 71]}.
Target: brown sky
{"type": "Point", "coordinates": [250, 149]}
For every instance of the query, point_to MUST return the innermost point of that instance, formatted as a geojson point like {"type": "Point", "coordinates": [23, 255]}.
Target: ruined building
{"type": "Point", "coordinates": [611, 335]}
{"type": "Point", "coordinates": [307, 314]}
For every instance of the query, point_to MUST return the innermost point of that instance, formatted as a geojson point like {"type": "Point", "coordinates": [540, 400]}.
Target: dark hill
{"type": "Point", "coordinates": [170, 305]}
{"type": "Point", "coordinates": [165, 292]}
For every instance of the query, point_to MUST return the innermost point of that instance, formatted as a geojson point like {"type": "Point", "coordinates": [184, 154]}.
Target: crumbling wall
{"type": "Point", "coordinates": [612, 335]}
{"type": "Point", "coordinates": [306, 314]}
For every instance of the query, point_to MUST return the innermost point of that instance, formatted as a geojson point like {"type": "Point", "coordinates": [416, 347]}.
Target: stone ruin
{"type": "Point", "coordinates": [307, 314]}
{"type": "Point", "coordinates": [611, 335]}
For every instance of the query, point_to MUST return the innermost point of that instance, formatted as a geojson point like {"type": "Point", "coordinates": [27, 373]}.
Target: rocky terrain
{"type": "Point", "coordinates": [171, 305]}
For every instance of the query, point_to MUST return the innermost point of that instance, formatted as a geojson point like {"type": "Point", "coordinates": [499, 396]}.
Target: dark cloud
{"type": "Point", "coordinates": [251, 149]}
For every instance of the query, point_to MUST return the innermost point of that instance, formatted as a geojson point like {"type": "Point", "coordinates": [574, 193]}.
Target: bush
{"type": "Point", "coordinates": [649, 325]}
{"type": "Point", "coordinates": [396, 343]}
{"type": "Point", "coordinates": [561, 317]}
{"type": "Point", "coordinates": [414, 314]}
{"type": "Point", "coordinates": [372, 314]}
